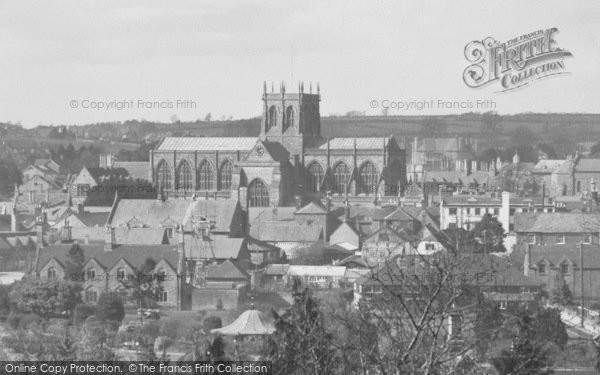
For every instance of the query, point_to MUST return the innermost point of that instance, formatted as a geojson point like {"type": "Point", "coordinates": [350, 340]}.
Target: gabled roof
{"type": "Point", "coordinates": [556, 254]}
{"type": "Point", "coordinates": [276, 269]}
{"type": "Point", "coordinates": [213, 248]}
{"type": "Point", "coordinates": [399, 214]}
{"type": "Point", "coordinates": [207, 144]}
{"type": "Point", "coordinates": [92, 219]}
{"type": "Point", "coordinates": [141, 236]}
{"type": "Point", "coordinates": [588, 165]}
{"type": "Point", "coordinates": [135, 255]}
{"type": "Point", "coordinates": [228, 270]}
{"type": "Point", "coordinates": [313, 208]}
{"type": "Point", "coordinates": [277, 231]}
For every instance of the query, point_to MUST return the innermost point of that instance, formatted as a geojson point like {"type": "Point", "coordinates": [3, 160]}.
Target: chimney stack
{"type": "Point", "coordinates": [39, 231]}
{"type": "Point", "coordinates": [298, 201]}
{"type": "Point", "coordinates": [109, 238]}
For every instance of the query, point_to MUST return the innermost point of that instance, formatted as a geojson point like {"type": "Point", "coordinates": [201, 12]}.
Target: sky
{"type": "Point", "coordinates": [60, 61]}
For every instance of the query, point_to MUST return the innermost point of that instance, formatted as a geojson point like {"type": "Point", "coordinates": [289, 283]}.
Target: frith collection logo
{"type": "Point", "coordinates": [515, 63]}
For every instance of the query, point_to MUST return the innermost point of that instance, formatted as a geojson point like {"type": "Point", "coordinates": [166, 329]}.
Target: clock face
{"type": "Point", "coordinates": [260, 151]}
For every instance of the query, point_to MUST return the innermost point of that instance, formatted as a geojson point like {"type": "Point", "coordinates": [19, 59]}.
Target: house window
{"type": "Point", "coordinates": [560, 238]}
{"type": "Point", "coordinates": [429, 246]}
{"type": "Point", "coordinates": [587, 238]}
{"type": "Point", "coordinates": [453, 211]}
{"type": "Point", "coordinates": [383, 237]}
{"type": "Point", "coordinates": [161, 275]}
{"type": "Point", "coordinates": [564, 268]}
{"type": "Point", "coordinates": [51, 273]}
{"type": "Point", "coordinates": [503, 305]}
{"type": "Point", "coordinates": [468, 211]}
{"type": "Point", "coordinates": [478, 211]}
{"type": "Point", "coordinates": [121, 274]}
{"type": "Point", "coordinates": [170, 232]}
{"type": "Point", "coordinates": [91, 273]}
{"type": "Point", "coordinates": [162, 296]}
{"type": "Point", "coordinates": [91, 295]}
{"type": "Point", "coordinates": [542, 268]}
{"type": "Point", "coordinates": [496, 211]}
{"type": "Point", "coordinates": [531, 239]}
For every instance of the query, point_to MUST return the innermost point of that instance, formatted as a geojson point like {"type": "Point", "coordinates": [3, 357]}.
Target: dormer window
{"type": "Point", "coordinates": [561, 238]}
{"type": "Point", "coordinates": [51, 273]}
{"type": "Point", "coordinates": [121, 274]}
{"type": "Point", "coordinates": [383, 237]}
{"type": "Point", "coordinates": [587, 238]}
{"type": "Point", "coordinates": [542, 268]}
{"type": "Point", "coordinates": [170, 232]}
{"type": "Point", "coordinates": [531, 239]}
{"type": "Point", "coordinates": [564, 268]}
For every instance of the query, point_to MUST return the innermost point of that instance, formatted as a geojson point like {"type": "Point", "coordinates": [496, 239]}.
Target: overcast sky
{"type": "Point", "coordinates": [218, 53]}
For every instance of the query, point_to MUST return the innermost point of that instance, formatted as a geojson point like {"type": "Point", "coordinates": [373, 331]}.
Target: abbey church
{"type": "Point", "coordinates": [289, 159]}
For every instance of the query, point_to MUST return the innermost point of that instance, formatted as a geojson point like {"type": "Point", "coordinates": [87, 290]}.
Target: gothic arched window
{"type": "Point", "coordinates": [225, 175]}
{"type": "Point", "coordinates": [314, 176]}
{"type": "Point", "coordinates": [184, 176]}
{"type": "Point", "coordinates": [272, 120]}
{"type": "Point", "coordinates": [341, 176]}
{"type": "Point", "coordinates": [205, 176]}
{"type": "Point", "coordinates": [164, 178]}
{"type": "Point", "coordinates": [289, 118]}
{"type": "Point", "coordinates": [367, 179]}
{"type": "Point", "coordinates": [258, 194]}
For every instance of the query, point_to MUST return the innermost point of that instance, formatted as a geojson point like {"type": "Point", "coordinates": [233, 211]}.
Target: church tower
{"type": "Point", "coordinates": [291, 119]}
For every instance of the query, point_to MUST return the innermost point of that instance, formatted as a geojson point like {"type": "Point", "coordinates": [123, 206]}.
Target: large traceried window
{"type": "Point", "coordinates": [289, 118]}
{"type": "Point", "coordinates": [367, 179]}
{"type": "Point", "coordinates": [205, 176]}
{"type": "Point", "coordinates": [184, 176]}
{"type": "Point", "coordinates": [272, 120]}
{"type": "Point", "coordinates": [258, 194]}
{"type": "Point", "coordinates": [341, 176]}
{"type": "Point", "coordinates": [314, 176]}
{"type": "Point", "coordinates": [225, 176]}
{"type": "Point", "coordinates": [163, 176]}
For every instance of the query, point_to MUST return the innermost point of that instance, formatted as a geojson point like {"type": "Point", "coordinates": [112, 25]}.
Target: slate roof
{"type": "Point", "coordinates": [548, 165]}
{"type": "Point", "coordinates": [588, 165]}
{"type": "Point", "coordinates": [277, 231]}
{"type": "Point", "coordinates": [255, 245]}
{"type": "Point", "coordinates": [155, 214]}
{"type": "Point", "coordinates": [560, 222]}
{"type": "Point", "coordinates": [227, 270]}
{"type": "Point", "coordinates": [207, 144]}
{"type": "Point", "coordinates": [458, 177]}
{"type": "Point", "coordinates": [140, 236]}
{"type": "Point", "coordinates": [214, 248]}
{"type": "Point", "coordinates": [475, 269]}
{"type": "Point", "coordinates": [312, 208]}
{"type": "Point", "coordinates": [93, 219]}
{"type": "Point", "coordinates": [347, 143]}
{"type": "Point", "coordinates": [268, 214]}
{"type": "Point", "coordinates": [335, 271]}
{"type": "Point", "coordinates": [135, 255]}
{"type": "Point", "coordinates": [276, 269]}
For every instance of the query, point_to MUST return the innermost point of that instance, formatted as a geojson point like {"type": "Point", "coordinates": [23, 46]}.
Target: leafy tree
{"type": "Point", "coordinates": [82, 312]}
{"type": "Point", "coordinates": [74, 264]}
{"type": "Point", "coordinates": [487, 324]}
{"type": "Point", "coordinates": [110, 307]}
{"type": "Point", "coordinates": [549, 327]}
{"type": "Point", "coordinates": [9, 176]}
{"type": "Point", "coordinates": [144, 286]}
{"type": "Point", "coordinates": [527, 355]}
{"type": "Point", "coordinates": [212, 322]}
{"type": "Point", "coordinates": [45, 298]}
{"type": "Point", "coordinates": [433, 126]}
{"type": "Point", "coordinates": [489, 234]}
{"type": "Point", "coordinates": [561, 294]}
{"type": "Point", "coordinates": [302, 344]}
